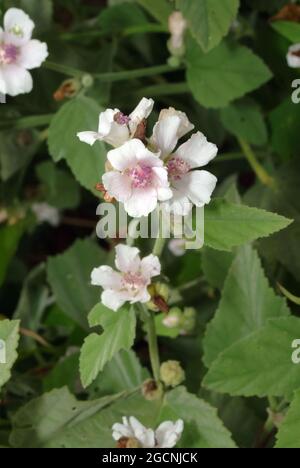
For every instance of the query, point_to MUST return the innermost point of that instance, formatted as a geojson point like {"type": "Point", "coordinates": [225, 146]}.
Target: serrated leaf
{"type": "Point", "coordinates": [10, 237]}
{"type": "Point", "coordinates": [159, 9]}
{"type": "Point", "coordinates": [209, 20]}
{"type": "Point", "coordinates": [216, 265]}
{"type": "Point", "coordinates": [226, 73]}
{"type": "Point", "coordinates": [288, 29]}
{"type": "Point", "coordinates": [244, 120]}
{"type": "Point", "coordinates": [69, 276]}
{"type": "Point", "coordinates": [229, 225]}
{"type": "Point", "coordinates": [86, 162]}
{"type": "Point", "coordinates": [247, 304]}
{"type": "Point", "coordinates": [284, 124]}
{"type": "Point", "coordinates": [289, 430]}
{"type": "Point", "coordinates": [9, 339]}
{"type": "Point", "coordinates": [97, 350]}
{"type": "Point", "coordinates": [260, 364]}
{"type": "Point", "coordinates": [202, 427]}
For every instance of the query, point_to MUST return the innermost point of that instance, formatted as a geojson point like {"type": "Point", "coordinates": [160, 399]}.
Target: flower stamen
{"type": "Point", "coordinates": [8, 54]}
{"type": "Point", "coordinates": [121, 119]}
{"type": "Point", "coordinates": [141, 176]}
{"type": "Point", "coordinates": [177, 168]}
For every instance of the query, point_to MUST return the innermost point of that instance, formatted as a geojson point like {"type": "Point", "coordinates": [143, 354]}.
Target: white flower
{"type": "Point", "coordinates": [115, 127]}
{"type": "Point", "coordinates": [166, 435]}
{"type": "Point", "coordinates": [138, 179]}
{"type": "Point", "coordinates": [189, 186]}
{"type": "Point", "coordinates": [177, 27]}
{"type": "Point", "coordinates": [46, 214]}
{"type": "Point", "coordinates": [18, 53]}
{"type": "Point", "coordinates": [177, 247]}
{"type": "Point", "coordinates": [293, 56]}
{"type": "Point", "coordinates": [131, 282]}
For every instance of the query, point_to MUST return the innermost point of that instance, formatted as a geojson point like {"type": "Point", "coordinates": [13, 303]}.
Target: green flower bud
{"type": "Point", "coordinates": [171, 373]}
{"type": "Point", "coordinates": [160, 294]}
{"type": "Point", "coordinates": [174, 318]}
{"type": "Point", "coordinates": [189, 319]}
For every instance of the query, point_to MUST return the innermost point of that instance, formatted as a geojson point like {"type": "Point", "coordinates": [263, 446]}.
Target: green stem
{"type": "Point", "coordinates": [27, 122]}
{"type": "Point", "coordinates": [259, 170]}
{"type": "Point", "coordinates": [166, 89]}
{"type": "Point", "coordinates": [64, 69]}
{"type": "Point", "coordinates": [130, 31]}
{"type": "Point", "coordinates": [144, 28]}
{"type": "Point", "coordinates": [152, 342]}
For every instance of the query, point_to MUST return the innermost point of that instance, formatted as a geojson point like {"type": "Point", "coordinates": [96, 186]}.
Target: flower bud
{"type": "Point", "coordinates": [189, 319]}
{"type": "Point", "coordinates": [128, 442]}
{"type": "Point", "coordinates": [151, 390]}
{"type": "Point", "coordinates": [171, 373]}
{"type": "Point", "coordinates": [173, 318]}
{"type": "Point", "coordinates": [160, 294]}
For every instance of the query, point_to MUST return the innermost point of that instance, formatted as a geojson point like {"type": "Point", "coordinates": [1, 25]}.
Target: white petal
{"type": "Point", "coordinates": [161, 182]}
{"type": "Point", "coordinates": [141, 112]}
{"type": "Point", "coordinates": [117, 185]}
{"type": "Point", "coordinates": [127, 258]}
{"type": "Point", "coordinates": [150, 266]}
{"type": "Point", "coordinates": [144, 435]}
{"type": "Point", "coordinates": [121, 430]}
{"type": "Point", "coordinates": [113, 299]}
{"type": "Point", "coordinates": [18, 26]}
{"type": "Point", "coordinates": [3, 86]}
{"type": "Point", "coordinates": [292, 59]}
{"type": "Point", "coordinates": [17, 80]}
{"type": "Point", "coordinates": [33, 54]}
{"type": "Point", "coordinates": [179, 204]}
{"type": "Point", "coordinates": [106, 277]}
{"type": "Point", "coordinates": [165, 134]}
{"type": "Point", "coordinates": [164, 194]}
{"type": "Point", "coordinates": [177, 247]}
{"type": "Point", "coordinates": [142, 296]}
{"type": "Point", "coordinates": [185, 125]}
{"type": "Point", "coordinates": [198, 186]}
{"type": "Point", "coordinates": [168, 434]}
{"type": "Point", "coordinates": [125, 157]}
{"type": "Point", "coordinates": [142, 202]}
{"type": "Point", "coordinates": [89, 137]}
{"type": "Point", "coordinates": [112, 132]}
{"type": "Point", "coordinates": [197, 151]}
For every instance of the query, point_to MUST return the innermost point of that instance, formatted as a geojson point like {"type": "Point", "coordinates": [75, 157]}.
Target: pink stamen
{"type": "Point", "coordinates": [177, 168]}
{"type": "Point", "coordinates": [122, 119]}
{"type": "Point", "coordinates": [133, 281]}
{"type": "Point", "coordinates": [141, 176]}
{"type": "Point", "coordinates": [8, 54]}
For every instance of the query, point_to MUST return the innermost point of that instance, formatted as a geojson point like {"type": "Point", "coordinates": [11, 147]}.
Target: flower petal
{"type": "Point", "coordinates": [17, 80]}
{"type": "Point", "coordinates": [117, 185]}
{"type": "Point", "coordinates": [179, 204]}
{"type": "Point", "coordinates": [293, 59]}
{"type": "Point", "coordinates": [145, 436]}
{"type": "Point", "coordinates": [33, 54]}
{"type": "Point", "coordinates": [198, 186]}
{"type": "Point", "coordinates": [185, 125]}
{"type": "Point", "coordinates": [141, 112]}
{"type": "Point", "coordinates": [168, 433]}
{"type": "Point", "coordinates": [127, 258]}
{"type": "Point", "coordinates": [106, 277]}
{"type": "Point", "coordinates": [112, 132]}
{"type": "Point", "coordinates": [150, 266]}
{"type": "Point", "coordinates": [165, 134]}
{"type": "Point", "coordinates": [113, 299]}
{"type": "Point", "coordinates": [197, 151]}
{"type": "Point", "coordinates": [18, 26]}
{"type": "Point", "coordinates": [89, 137]}
{"type": "Point", "coordinates": [125, 157]}
{"type": "Point", "coordinates": [142, 202]}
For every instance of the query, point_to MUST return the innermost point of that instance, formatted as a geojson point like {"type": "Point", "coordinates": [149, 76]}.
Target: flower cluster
{"type": "Point", "coordinates": [18, 53]}
{"type": "Point", "coordinates": [132, 434]}
{"type": "Point", "coordinates": [142, 172]}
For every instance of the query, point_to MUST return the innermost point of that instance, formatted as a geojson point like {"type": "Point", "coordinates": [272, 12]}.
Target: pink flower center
{"type": "Point", "coordinates": [133, 281]}
{"type": "Point", "coordinates": [8, 54]}
{"type": "Point", "coordinates": [121, 119]}
{"type": "Point", "coordinates": [177, 168]}
{"type": "Point", "coordinates": [141, 176]}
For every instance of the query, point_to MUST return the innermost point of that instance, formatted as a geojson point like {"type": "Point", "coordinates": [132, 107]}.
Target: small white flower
{"type": "Point", "coordinates": [131, 282]}
{"type": "Point", "coordinates": [293, 56]}
{"type": "Point", "coordinates": [189, 186]}
{"type": "Point", "coordinates": [177, 247]}
{"type": "Point", "coordinates": [18, 53]}
{"type": "Point", "coordinates": [166, 435]}
{"type": "Point", "coordinates": [138, 179]}
{"type": "Point", "coordinates": [46, 214]}
{"type": "Point", "coordinates": [115, 128]}
{"type": "Point", "coordinates": [177, 27]}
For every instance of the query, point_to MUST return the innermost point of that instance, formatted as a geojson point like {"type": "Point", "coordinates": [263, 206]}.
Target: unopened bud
{"type": "Point", "coordinates": [128, 442]}
{"type": "Point", "coordinates": [68, 89]}
{"type": "Point", "coordinates": [160, 294]}
{"type": "Point", "coordinates": [173, 318]}
{"type": "Point", "coordinates": [189, 319]}
{"type": "Point", "coordinates": [87, 81]}
{"type": "Point", "coordinates": [171, 373]}
{"type": "Point", "coordinates": [151, 390]}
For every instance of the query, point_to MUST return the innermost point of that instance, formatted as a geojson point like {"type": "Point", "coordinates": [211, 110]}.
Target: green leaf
{"type": "Point", "coordinates": [123, 372]}
{"type": "Point", "coordinates": [46, 421]}
{"type": "Point", "coordinates": [247, 304]}
{"type": "Point", "coordinates": [229, 225]}
{"type": "Point", "coordinates": [202, 427]}
{"type": "Point", "coordinates": [288, 435]}
{"type": "Point", "coordinates": [114, 20]}
{"type": "Point", "coordinates": [284, 124]}
{"type": "Point", "coordinates": [209, 20]}
{"type": "Point", "coordinates": [86, 162]}
{"type": "Point", "coordinates": [69, 276]}
{"type": "Point", "coordinates": [64, 373]}
{"type": "Point", "coordinates": [9, 339]}
{"type": "Point", "coordinates": [55, 182]}
{"type": "Point", "coordinates": [97, 350]}
{"type": "Point", "coordinates": [226, 73]}
{"type": "Point", "coordinates": [159, 9]}
{"type": "Point", "coordinates": [10, 237]}
{"type": "Point", "coordinates": [215, 266]}
{"type": "Point", "coordinates": [260, 364]}
{"type": "Point", "coordinates": [244, 120]}
{"type": "Point", "coordinates": [288, 29]}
